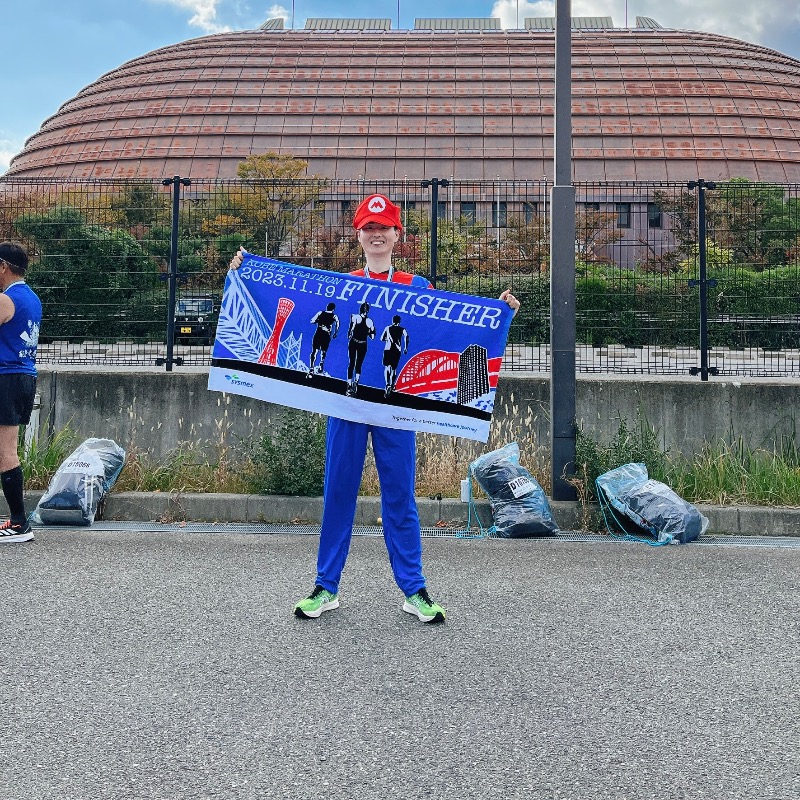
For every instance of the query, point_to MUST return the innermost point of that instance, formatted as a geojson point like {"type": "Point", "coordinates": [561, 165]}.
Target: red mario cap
{"type": "Point", "coordinates": [377, 208]}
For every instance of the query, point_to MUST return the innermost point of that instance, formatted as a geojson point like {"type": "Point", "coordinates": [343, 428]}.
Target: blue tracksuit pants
{"type": "Point", "coordinates": [395, 456]}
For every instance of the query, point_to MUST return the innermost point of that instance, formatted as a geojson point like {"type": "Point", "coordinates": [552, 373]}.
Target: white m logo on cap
{"type": "Point", "coordinates": [377, 205]}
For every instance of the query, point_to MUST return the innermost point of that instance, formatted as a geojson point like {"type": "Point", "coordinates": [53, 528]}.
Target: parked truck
{"type": "Point", "coordinates": [195, 319]}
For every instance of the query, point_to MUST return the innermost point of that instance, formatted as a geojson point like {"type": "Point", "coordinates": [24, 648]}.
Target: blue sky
{"type": "Point", "coordinates": [53, 48]}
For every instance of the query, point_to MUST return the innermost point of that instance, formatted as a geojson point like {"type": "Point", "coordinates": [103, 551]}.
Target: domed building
{"type": "Point", "coordinates": [451, 98]}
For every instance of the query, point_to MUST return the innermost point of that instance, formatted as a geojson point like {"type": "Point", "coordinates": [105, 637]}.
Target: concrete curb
{"type": "Point", "coordinates": [171, 507]}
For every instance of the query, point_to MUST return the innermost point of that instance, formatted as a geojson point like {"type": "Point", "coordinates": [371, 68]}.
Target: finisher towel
{"type": "Point", "coordinates": [360, 349]}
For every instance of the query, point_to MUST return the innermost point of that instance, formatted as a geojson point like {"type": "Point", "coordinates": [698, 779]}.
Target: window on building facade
{"type": "Point", "coordinates": [591, 206]}
{"type": "Point", "coordinates": [623, 215]}
{"type": "Point", "coordinates": [655, 218]}
{"type": "Point", "coordinates": [530, 209]}
{"type": "Point", "coordinates": [441, 209]}
{"type": "Point", "coordinates": [406, 207]}
{"type": "Point", "coordinates": [468, 211]}
{"type": "Point", "coordinates": [499, 214]}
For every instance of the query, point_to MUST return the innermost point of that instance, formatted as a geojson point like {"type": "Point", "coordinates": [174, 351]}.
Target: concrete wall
{"type": "Point", "coordinates": [155, 410]}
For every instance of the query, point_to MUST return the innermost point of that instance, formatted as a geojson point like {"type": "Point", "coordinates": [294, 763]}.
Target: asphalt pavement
{"type": "Point", "coordinates": [167, 664]}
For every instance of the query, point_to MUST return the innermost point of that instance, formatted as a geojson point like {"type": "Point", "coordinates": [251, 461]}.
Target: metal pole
{"type": "Point", "coordinates": [497, 220]}
{"type": "Point", "coordinates": [701, 204]}
{"type": "Point", "coordinates": [562, 270]}
{"type": "Point", "coordinates": [405, 206]}
{"type": "Point", "coordinates": [32, 428]}
{"type": "Point", "coordinates": [172, 276]}
{"type": "Point", "coordinates": [434, 229]}
{"type": "Point", "coordinates": [703, 281]}
{"type": "Point", "coordinates": [452, 217]}
{"type": "Point", "coordinates": [434, 183]}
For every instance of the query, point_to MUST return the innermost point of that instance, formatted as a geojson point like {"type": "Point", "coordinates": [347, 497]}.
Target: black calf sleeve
{"type": "Point", "coordinates": [12, 489]}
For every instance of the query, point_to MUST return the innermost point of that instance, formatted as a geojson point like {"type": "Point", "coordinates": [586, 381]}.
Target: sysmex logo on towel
{"type": "Point", "coordinates": [359, 348]}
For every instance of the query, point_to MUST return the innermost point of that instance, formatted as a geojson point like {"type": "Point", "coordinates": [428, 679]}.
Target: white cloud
{"type": "Point", "coordinates": [743, 20]}
{"type": "Point", "coordinates": [8, 149]}
{"type": "Point", "coordinates": [278, 12]}
{"type": "Point", "coordinates": [204, 14]}
{"type": "Point", "coordinates": [510, 11]}
{"type": "Point", "coordinates": [758, 23]}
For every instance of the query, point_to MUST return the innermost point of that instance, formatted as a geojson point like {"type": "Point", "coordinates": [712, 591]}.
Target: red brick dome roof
{"type": "Point", "coordinates": [648, 104]}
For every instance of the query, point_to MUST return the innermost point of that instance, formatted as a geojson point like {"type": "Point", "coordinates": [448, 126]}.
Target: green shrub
{"type": "Point", "coordinates": [532, 324]}
{"type": "Point", "coordinates": [637, 444]}
{"type": "Point", "coordinates": [41, 459]}
{"type": "Point", "coordinates": [291, 458]}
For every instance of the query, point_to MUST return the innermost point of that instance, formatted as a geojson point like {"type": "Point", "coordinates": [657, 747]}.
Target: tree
{"type": "Point", "coordinates": [594, 231]}
{"type": "Point", "coordinates": [330, 248]}
{"type": "Point", "coordinates": [15, 201]}
{"type": "Point", "coordinates": [527, 244]}
{"type": "Point", "coordinates": [88, 277]}
{"type": "Point", "coordinates": [752, 220]}
{"type": "Point", "coordinates": [681, 209]}
{"type": "Point", "coordinates": [458, 244]}
{"type": "Point", "coordinates": [275, 198]}
{"type": "Point", "coordinates": [142, 205]}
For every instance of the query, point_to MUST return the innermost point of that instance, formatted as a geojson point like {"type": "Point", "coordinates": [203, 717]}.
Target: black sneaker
{"type": "Point", "coordinates": [15, 531]}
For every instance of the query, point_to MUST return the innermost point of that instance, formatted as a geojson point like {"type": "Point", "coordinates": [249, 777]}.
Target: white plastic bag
{"type": "Point", "coordinates": [80, 483]}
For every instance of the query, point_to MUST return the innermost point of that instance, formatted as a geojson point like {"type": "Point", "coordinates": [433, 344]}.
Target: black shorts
{"type": "Point", "coordinates": [321, 341]}
{"type": "Point", "coordinates": [17, 392]}
{"type": "Point", "coordinates": [391, 357]}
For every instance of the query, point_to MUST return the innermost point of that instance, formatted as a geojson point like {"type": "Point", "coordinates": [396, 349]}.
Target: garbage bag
{"type": "Point", "coordinates": [519, 504]}
{"type": "Point", "coordinates": [651, 505]}
{"type": "Point", "coordinates": [80, 483]}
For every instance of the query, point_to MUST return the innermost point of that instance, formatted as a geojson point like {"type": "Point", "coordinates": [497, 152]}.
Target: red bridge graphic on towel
{"type": "Point", "coordinates": [437, 371]}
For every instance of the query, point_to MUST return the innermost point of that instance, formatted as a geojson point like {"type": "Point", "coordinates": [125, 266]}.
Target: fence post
{"type": "Point", "coordinates": [563, 386]}
{"type": "Point", "coordinates": [703, 282]}
{"type": "Point", "coordinates": [32, 428]}
{"type": "Point", "coordinates": [172, 275]}
{"type": "Point", "coordinates": [434, 183]}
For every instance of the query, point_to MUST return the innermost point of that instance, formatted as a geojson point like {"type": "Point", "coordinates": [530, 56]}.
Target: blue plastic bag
{"type": "Point", "coordinates": [651, 505]}
{"type": "Point", "coordinates": [519, 504]}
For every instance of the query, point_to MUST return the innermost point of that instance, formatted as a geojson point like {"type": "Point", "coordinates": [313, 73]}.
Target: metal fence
{"type": "Point", "coordinates": [125, 268]}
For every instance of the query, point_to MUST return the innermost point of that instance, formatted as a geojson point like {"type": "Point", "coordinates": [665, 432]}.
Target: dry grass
{"type": "Point", "coordinates": [213, 466]}
{"type": "Point", "coordinates": [443, 462]}
{"type": "Point", "coordinates": [187, 468]}
{"type": "Point", "coordinates": [41, 460]}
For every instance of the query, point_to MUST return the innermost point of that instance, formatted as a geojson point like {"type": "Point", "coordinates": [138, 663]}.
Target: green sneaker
{"type": "Point", "coordinates": [318, 601]}
{"type": "Point", "coordinates": [421, 604]}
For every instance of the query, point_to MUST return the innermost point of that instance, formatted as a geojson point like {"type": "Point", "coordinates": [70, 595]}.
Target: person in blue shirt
{"type": "Point", "coordinates": [20, 318]}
